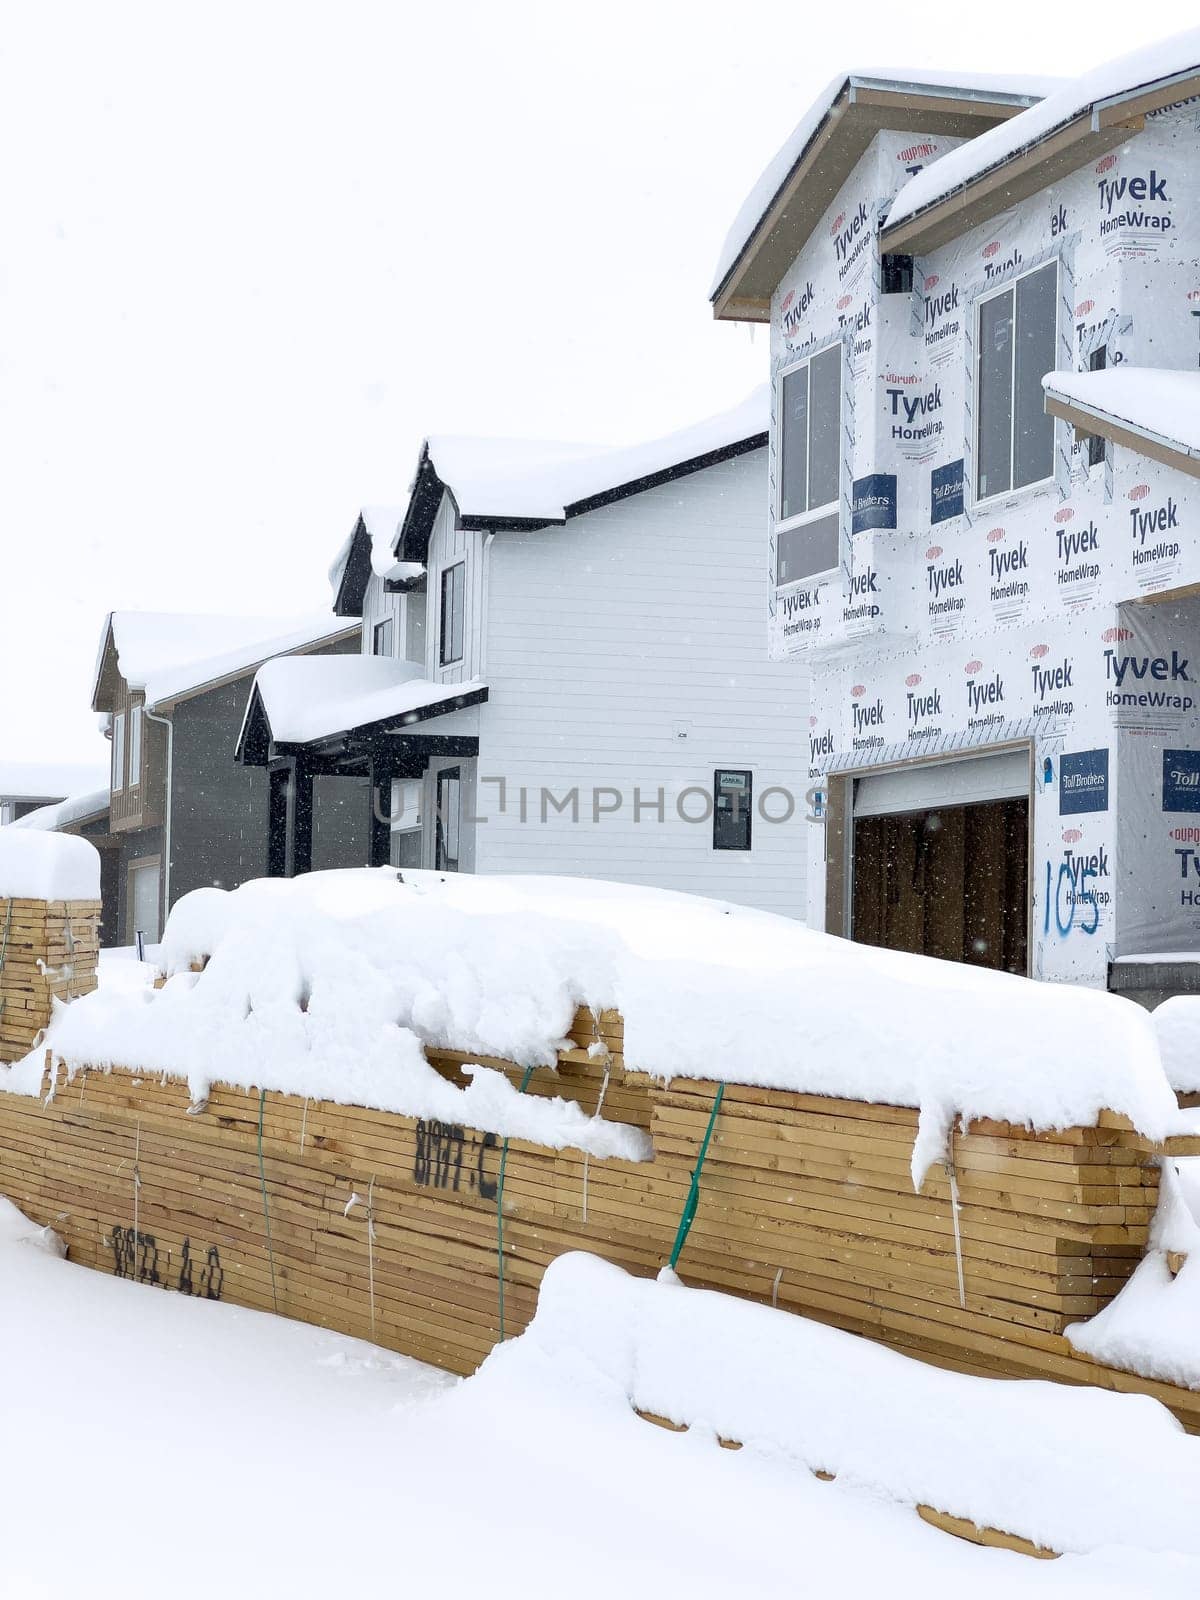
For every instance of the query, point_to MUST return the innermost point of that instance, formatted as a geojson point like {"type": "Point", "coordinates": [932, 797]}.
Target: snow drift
{"type": "Point", "coordinates": [330, 984]}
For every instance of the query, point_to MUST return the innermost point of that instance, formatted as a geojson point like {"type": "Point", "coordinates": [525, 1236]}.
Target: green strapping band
{"type": "Point", "coordinates": [262, 1173]}
{"type": "Point", "coordinates": [500, 1209]}
{"type": "Point", "coordinates": [693, 1199]}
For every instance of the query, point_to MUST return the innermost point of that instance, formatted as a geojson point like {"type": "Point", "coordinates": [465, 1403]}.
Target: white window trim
{"type": "Point", "coordinates": [136, 720]}
{"type": "Point", "coordinates": [1010, 285]}
{"type": "Point", "coordinates": [118, 752]}
{"type": "Point", "coordinates": [815, 513]}
{"type": "Point", "coordinates": [443, 659]}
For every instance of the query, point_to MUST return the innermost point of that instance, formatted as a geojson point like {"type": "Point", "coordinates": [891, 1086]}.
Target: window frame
{"type": "Point", "coordinates": [446, 639]}
{"type": "Point", "coordinates": [443, 861]}
{"type": "Point", "coordinates": [135, 736]}
{"type": "Point", "coordinates": [387, 627]}
{"type": "Point", "coordinates": [1009, 286]}
{"type": "Point", "coordinates": [747, 817]}
{"type": "Point", "coordinates": [830, 507]}
{"type": "Point", "coordinates": [118, 752]}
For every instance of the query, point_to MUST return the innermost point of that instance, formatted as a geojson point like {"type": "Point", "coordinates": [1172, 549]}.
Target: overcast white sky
{"type": "Point", "coordinates": [250, 254]}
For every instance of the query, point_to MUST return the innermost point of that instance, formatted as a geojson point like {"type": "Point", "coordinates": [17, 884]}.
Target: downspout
{"type": "Point", "coordinates": [170, 727]}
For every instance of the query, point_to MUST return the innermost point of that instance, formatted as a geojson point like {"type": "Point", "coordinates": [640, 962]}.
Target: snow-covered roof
{"type": "Point", "coordinates": [313, 697]}
{"type": "Point", "coordinates": [1162, 407]}
{"type": "Point", "coordinates": [382, 527]}
{"type": "Point", "coordinates": [496, 966]}
{"type": "Point", "coordinates": [1178, 56]}
{"type": "Point", "coordinates": [1014, 89]}
{"type": "Point", "coordinates": [49, 819]}
{"type": "Point", "coordinates": [48, 780]}
{"type": "Point", "coordinates": [542, 482]}
{"type": "Point", "coordinates": [170, 654]}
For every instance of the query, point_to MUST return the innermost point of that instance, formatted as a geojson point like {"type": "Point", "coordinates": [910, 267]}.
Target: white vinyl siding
{"type": "Point", "coordinates": [627, 648]}
{"type": "Point", "coordinates": [448, 545]}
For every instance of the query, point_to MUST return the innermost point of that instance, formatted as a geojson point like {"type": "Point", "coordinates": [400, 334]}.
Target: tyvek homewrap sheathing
{"type": "Point", "coordinates": [960, 624]}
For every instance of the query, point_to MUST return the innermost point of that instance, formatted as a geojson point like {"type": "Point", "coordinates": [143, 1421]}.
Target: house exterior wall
{"type": "Point", "coordinates": [624, 651]}
{"type": "Point", "coordinates": [954, 623]}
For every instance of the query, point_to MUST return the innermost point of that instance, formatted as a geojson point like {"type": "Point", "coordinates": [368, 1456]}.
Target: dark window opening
{"type": "Point", "coordinates": [733, 796]}
{"type": "Point", "coordinates": [810, 420]}
{"type": "Point", "coordinates": [896, 274]}
{"type": "Point", "coordinates": [1017, 338]}
{"type": "Point", "coordinates": [381, 638]}
{"type": "Point", "coordinates": [454, 594]}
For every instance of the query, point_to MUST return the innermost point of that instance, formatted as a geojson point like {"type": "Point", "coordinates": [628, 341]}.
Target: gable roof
{"type": "Point", "coordinates": [365, 553]}
{"type": "Point", "coordinates": [499, 484]}
{"type": "Point", "coordinates": [1145, 409]}
{"type": "Point", "coordinates": [76, 810]}
{"type": "Point", "coordinates": [1076, 124]}
{"type": "Point", "coordinates": [171, 655]}
{"type": "Point", "coordinates": [820, 153]}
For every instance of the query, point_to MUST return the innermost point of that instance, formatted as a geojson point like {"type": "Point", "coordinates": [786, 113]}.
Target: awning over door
{"type": "Point", "coordinates": [1003, 775]}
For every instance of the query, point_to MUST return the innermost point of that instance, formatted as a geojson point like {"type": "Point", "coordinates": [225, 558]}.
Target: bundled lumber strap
{"type": "Point", "coordinates": [805, 1202]}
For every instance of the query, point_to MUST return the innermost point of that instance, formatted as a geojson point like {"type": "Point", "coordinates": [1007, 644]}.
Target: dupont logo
{"type": "Point", "coordinates": [995, 535]}
{"type": "Point", "coordinates": [1039, 652]}
{"type": "Point", "coordinates": [1072, 835]}
{"type": "Point", "coordinates": [859, 690]}
{"type": "Point", "coordinates": [916, 152]}
{"type": "Point", "coordinates": [1084, 307]}
{"type": "Point", "coordinates": [973, 667]}
{"type": "Point", "coordinates": [1065, 515]}
{"type": "Point", "coordinates": [1105, 164]}
{"type": "Point", "coordinates": [1139, 491]}
{"type": "Point", "coordinates": [846, 299]}
{"type": "Point", "coordinates": [931, 282]}
{"type": "Point", "coordinates": [991, 250]}
{"type": "Point", "coordinates": [812, 722]}
{"type": "Point", "coordinates": [933, 552]}
{"type": "Point", "coordinates": [912, 680]}
{"type": "Point", "coordinates": [835, 227]}
{"type": "Point", "coordinates": [1116, 635]}
{"type": "Point", "coordinates": [1193, 295]}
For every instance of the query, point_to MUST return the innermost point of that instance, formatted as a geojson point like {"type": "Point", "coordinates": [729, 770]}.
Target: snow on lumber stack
{"type": "Point", "coordinates": [329, 985]}
{"type": "Point", "coordinates": [1177, 1025]}
{"type": "Point", "coordinates": [37, 866]}
{"type": "Point", "coordinates": [1047, 1463]}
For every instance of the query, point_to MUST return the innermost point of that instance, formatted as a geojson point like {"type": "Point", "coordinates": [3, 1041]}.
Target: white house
{"type": "Point", "coordinates": [563, 671]}
{"type": "Point", "coordinates": [985, 311]}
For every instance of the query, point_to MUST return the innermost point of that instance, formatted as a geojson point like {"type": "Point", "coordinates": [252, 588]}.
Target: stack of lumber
{"type": "Point", "coordinates": [805, 1202]}
{"type": "Point", "coordinates": [48, 950]}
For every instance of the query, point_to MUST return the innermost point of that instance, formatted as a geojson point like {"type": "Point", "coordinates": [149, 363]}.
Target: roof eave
{"type": "Point", "coordinates": [1090, 133]}
{"type": "Point", "coordinates": [866, 106]}
{"type": "Point", "coordinates": [168, 702]}
{"type": "Point", "coordinates": [1088, 420]}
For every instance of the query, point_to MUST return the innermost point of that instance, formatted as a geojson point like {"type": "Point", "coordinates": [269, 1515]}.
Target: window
{"type": "Point", "coordinates": [1016, 333]}
{"type": "Point", "coordinates": [118, 750]}
{"type": "Point", "coordinates": [1097, 362]}
{"type": "Point", "coordinates": [810, 411]}
{"type": "Point", "coordinates": [732, 798]}
{"type": "Point", "coordinates": [135, 746]}
{"type": "Point", "coordinates": [454, 593]}
{"type": "Point", "coordinates": [414, 626]}
{"type": "Point", "coordinates": [449, 819]}
{"type": "Point", "coordinates": [381, 638]}
{"type": "Point", "coordinates": [406, 822]}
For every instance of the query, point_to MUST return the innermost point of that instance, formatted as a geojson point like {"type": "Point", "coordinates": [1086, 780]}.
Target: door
{"type": "Point", "coordinates": [143, 900]}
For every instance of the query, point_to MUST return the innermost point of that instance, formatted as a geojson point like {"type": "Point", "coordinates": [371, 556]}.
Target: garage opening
{"type": "Point", "coordinates": [941, 860]}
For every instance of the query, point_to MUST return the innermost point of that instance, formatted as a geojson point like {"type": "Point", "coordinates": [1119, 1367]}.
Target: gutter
{"type": "Point", "coordinates": [170, 727]}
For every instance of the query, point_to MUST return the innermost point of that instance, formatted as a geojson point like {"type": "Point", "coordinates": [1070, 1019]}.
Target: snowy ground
{"type": "Point", "coordinates": [158, 1445]}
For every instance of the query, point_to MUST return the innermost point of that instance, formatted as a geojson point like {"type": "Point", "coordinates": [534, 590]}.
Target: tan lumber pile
{"type": "Point", "coordinates": [805, 1202]}
{"type": "Point", "coordinates": [48, 950]}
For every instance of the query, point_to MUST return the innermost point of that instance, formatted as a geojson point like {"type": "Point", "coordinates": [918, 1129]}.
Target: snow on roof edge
{"type": "Point", "coordinates": [1154, 402]}
{"type": "Point", "coordinates": [984, 86]}
{"type": "Point", "coordinates": [1116, 79]}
